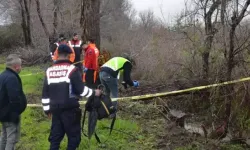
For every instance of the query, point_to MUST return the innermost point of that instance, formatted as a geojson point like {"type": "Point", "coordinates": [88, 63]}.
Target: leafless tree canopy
{"type": "Point", "coordinates": [208, 42]}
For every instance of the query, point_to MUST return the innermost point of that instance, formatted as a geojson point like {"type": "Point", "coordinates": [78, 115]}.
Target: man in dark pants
{"type": "Point", "coordinates": [110, 73]}
{"type": "Point", "coordinates": [62, 90]}
{"type": "Point", "coordinates": [12, 102]}
{"type": "Point", "coordinates": [91, 63]}
{"type": "Point", "coordinates": [76, 44]}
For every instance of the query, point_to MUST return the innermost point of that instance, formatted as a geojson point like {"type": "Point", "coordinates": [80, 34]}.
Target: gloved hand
{"type": "Point", "coordinates": [49, 116]}
{"type": "Point", "coordinates": [98, 92]}
{"type": "Point", "coordinates": [124, 85]}
{"type": "Point", "coordinates": [85, 69]}
{"type": "Point", "coordinates": [136, 83]}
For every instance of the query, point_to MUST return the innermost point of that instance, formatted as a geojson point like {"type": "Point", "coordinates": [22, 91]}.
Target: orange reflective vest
{"type": "Point", "coordinates": [88, 61]}
{"type": "Point", "coordinates": [71, 56]}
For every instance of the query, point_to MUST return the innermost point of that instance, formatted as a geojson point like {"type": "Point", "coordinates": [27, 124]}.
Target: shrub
{"type": "Point", "coordinates": [10, 36]}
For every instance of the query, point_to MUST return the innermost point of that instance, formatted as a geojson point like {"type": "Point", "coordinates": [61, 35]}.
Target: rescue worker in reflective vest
{"type": "Point", "coordinates": [62, 90]}
{"type": "Point", "coordinates": [75, 43]}
{"type": "Point", "coordinates": [62, 40]}
{"type": "Point", "coordinates": [90, 63]}
{"type": "Point", "coordinates": [111, 71]}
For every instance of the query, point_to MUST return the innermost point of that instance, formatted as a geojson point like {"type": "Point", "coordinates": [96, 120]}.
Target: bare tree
{"type": "Point", "coordinates": [90, 20]}
{"type": "Point", "coordinates": [207, 10]}
{"type": "Point", "coordinates": [236, 18]}
{"type": "Point", "coordinates": [222, 15]}
{"type": "Point", "coordinates": [235, 21]}
{"type": "Point", "coordinates": [210, 31]}
{"type": "Point", "coordinates": [25, 12]}
{"type": "Point", "coordinates": [115, 19]}
{"type": "Point", "coordinates": [55, 18]}
{"type": "Point", "coordinates": [45, 28]}
{"type": "Point", "coordinates": [147, 20]}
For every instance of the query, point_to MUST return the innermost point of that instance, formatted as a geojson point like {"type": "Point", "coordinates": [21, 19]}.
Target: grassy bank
{"type": "Point", "coordinates": [127, 134]}
{"type": "Point", "coordinates": [139, 126]}
{"type": "Point", "coordinates": [32, 78]}
{"type": "Point", "coordinates": [36, 128]}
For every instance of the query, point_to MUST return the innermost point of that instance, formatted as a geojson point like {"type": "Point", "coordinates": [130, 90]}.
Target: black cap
{"type": "Point", "coordinates": [63, 48]}
{"type": "Point", "coordinates": [61, 37]}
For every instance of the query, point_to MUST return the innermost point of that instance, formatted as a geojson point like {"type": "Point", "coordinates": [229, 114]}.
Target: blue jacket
{"type": "Point", "coordinates": [12, 99]}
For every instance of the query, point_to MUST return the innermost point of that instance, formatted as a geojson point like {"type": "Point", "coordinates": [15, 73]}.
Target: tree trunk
{"type": "Point", "coordinates": [28, 27]}
{"type": "Point", "coordinates": [90, 20]}
{"type": "Point", "coordinates": [230, 60]}
{"type": "Point", "coordinates": [38, 8]}
{"type": "Point", "coordinates": [205, 57]}
{"type": "Point", "coordinates": [96, 30]}
{"type": "Point", "coordinates": [210, 32]}
{"type": "Point", "coordinates": [55, 22]}
{"type": "Point", "coordinates": [23, 24]}
{"type": "Point", "coordinates": [85, 6]}
{"type": "Point", "coordinates": [230, 66]}
{"type": "Point", "coordinates": [236, 19]}
{"type": "Point", "coordinates": [223, 11]}
{"type": "Point", "coordinates": [25, 13]}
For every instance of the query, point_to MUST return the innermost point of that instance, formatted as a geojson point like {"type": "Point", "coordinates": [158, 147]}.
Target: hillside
{"type": "Point", "coordinates": [140, 125]}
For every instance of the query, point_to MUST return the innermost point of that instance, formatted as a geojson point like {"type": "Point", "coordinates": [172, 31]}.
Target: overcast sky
{"type": "Point", "coordinates": [170, 8]}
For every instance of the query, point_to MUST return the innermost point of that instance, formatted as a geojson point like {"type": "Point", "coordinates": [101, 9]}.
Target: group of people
{"type": "Point", "coordinates": [80, 51]}
{"type": "Point", "coordinates": [63, 87]}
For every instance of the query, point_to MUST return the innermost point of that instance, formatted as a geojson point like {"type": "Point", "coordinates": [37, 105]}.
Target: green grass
{"type": "Point", "coordinates": [232, 147]}
{"type": "Point", "coordinates": [36, 127]}
{"type": "Point", "coordinates": [198, 146]}
{"type": "Point", "coordinates": [32, 82]}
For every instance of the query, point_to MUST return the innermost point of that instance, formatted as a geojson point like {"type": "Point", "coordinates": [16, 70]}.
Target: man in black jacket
{"type": "Point", "coordinates": [62, 90]}
{"type": "Point", "coordinates": [76, 44]}
{"type": "Point", "coordinates": [12, 102]}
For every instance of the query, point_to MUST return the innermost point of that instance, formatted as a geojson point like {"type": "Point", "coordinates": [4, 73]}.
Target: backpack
{"type": "Point", "coordinates": [103, 57]}
{"type": "Point", "coordinates": [98, 108]}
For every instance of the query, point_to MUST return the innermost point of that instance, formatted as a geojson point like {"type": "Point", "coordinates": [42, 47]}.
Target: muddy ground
{"type": "Point", "coordinates": [155, 120]}
{"type": "Point", "coordinates": [169, 135]}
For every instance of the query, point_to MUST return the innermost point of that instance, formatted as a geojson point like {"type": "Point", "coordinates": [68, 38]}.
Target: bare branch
{"type": "Point", "coordinates": [38, 7]}
{"type": "Point", "coordinates": [213, 8]}
{"type": "Point", "coordinates": [242, 13]}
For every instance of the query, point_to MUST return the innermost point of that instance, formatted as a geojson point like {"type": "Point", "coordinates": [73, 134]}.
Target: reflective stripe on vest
{"type": "Point", "coordinates": [116, 64]}
{"type": "Point", "coordinates": [78, 45]}
{"type": "Point", "coordinates": [59, 73]}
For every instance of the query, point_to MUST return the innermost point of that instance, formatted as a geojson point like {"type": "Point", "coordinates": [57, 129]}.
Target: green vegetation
{"type": "Point", "coordinates": [198, 146]}
{"type": "Point", "coordinates": [36, 126]}
{"type": "Point", "coordinates": [33, 81]}
{"type": "Point", "coordinates": [137, 126]}
{"type": "Point", "coordinates": [32, 78]}
{"type": "Point", "coordinates": [232, 147]}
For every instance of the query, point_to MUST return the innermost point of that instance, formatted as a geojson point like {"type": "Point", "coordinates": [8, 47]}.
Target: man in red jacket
{"type": "Point", "coordinates": [91, 63]}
